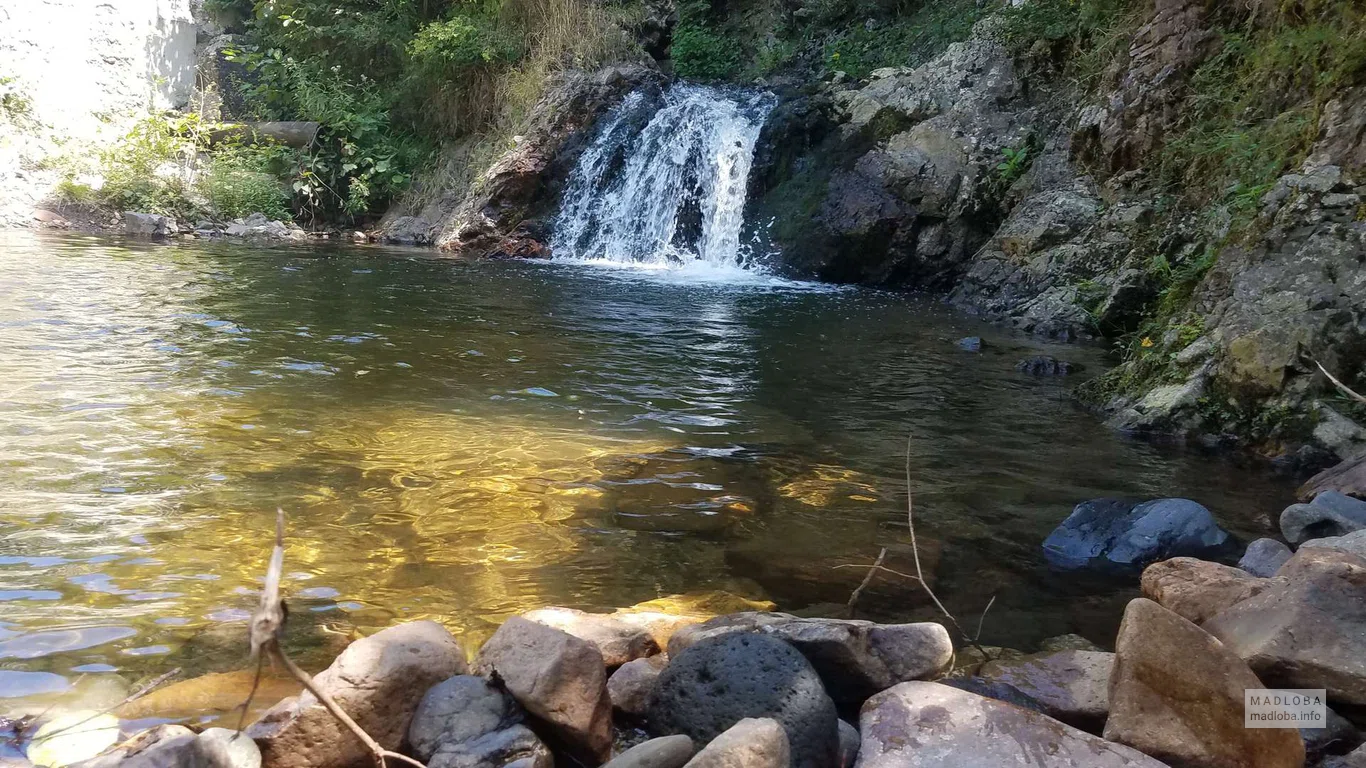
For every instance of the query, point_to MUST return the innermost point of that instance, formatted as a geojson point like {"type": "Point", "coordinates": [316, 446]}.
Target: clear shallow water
{"type": "Point", "coordinates": [462, 441]}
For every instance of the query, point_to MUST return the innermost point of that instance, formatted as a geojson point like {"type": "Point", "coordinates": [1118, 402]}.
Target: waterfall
{"type": "Point", "coordinates": [670, 192]}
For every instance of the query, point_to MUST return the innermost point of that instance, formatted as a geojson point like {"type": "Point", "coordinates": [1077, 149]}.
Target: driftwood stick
{"type": "Point", "coordinates": [1345, 389]}
{"type": "Point", "coordinates": [867, 578]}
{"type": "Point", "coordinates": [267, 634]}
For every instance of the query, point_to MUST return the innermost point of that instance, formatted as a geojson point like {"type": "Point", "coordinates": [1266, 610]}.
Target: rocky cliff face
{"type": "Point", "coordinates": [918, 182]}
{"type": "Point", "coordinates": [505, 213]}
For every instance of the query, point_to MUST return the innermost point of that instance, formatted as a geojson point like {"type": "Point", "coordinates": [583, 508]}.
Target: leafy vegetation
{"type": "Point", "coordinates": [699, 51]}
{"type": "Point", "coordinates": [899, 36]}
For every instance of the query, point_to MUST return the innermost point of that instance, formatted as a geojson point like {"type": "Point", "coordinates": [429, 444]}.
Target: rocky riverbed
{"type": "Point", "coordinates": [641, 688]}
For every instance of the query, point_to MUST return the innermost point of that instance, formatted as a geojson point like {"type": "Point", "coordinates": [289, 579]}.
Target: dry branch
{"type": "Point", "coordinates": [1345, 389]}
{"type": "Point", "coordinates": [267, 634]}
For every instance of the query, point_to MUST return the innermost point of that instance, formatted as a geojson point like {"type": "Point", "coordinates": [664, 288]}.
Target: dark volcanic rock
{"type": "Point", "coordinates": [1118, 536]}
{"type": "Point", "coordinates": [717, 683]}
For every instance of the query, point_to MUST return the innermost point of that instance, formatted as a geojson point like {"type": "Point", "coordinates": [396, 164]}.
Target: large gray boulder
{"type": "Point", "coordinates": [1071, 686]}
{"type": "Point", "coordinates": [718, 682]}
{"type": "Point", "coordinates": [1309, 629]}
{"type": "Point", "coordinates": [1118, 536]}
{"type": "Point", "coordinates": [1264, 557]}
{"type": "Point", "coordinates": [855, 659]}
{"type": "Point", "coordinates": [929, 725]}
{"type": "Point", "coordinates": [468, 721]}
{"type": "Point", "coordinates": [559, 678]}
{"type": "Point", "coordinates": [1329, 514]}
{"type": "Point", "coordinates": [1177, 694]}
{"type": "Point", "coordinates": [148, 225]}
{"type": "Point", "coordinates": [617, 641]}
{"type": "Point", "coordinates": [751, 743]}
{"type": "Point", "coordinates": [378, 681]}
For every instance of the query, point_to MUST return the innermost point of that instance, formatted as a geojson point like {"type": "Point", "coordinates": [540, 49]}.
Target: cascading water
{"type": "Point", "coordinates": [671, 192]}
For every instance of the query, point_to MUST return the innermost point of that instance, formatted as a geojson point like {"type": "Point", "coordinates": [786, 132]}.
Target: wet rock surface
{"type": "Point", "coordinates": [1119, 536]}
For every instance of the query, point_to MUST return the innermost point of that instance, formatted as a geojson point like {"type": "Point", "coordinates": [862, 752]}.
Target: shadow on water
{"type": "Point", "coordinates": [463, 441]}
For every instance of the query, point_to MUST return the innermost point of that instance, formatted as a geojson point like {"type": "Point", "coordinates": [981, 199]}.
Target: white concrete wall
{"type": "Point", "coordinates": [88, 63]}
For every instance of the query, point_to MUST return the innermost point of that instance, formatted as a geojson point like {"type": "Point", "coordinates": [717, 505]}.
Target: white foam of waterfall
{"type": "Point", "coordinates": [671, 193]}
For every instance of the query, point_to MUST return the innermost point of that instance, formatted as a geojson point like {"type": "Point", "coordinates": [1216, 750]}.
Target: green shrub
{"type": "Point", "coordinates": [700, 53]}
{"type": "Point", "coordinates": [461, 43]}
{"type": "Point", "coordinates": [903, 41]}
{"type": "Point", "coordinates": [242, 181]}
{"type": "Point", "coordinates": [146, 170]}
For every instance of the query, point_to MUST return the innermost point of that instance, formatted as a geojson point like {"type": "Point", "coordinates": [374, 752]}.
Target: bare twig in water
{"type": "Point", "coordinates": [267, 632]}
{"type": "Point", "coordinates": [877, 565]}
{"type": "Point", "coordinates": [1345, 389]}
{"type": "Point", "coordinates": [134, 696]}
{"type": "Point", "coordinates": [919, 575]}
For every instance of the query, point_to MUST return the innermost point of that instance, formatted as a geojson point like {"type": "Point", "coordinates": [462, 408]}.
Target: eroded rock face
{"type": "Point", "coordinates": [1197, 589]}
{"type": "Point", "coordinates": [504, 216]}
{"type": "Point", "coordinates": [378, 681]}
{"type": "Point", "coordinates": [1309, 629]}
{"type": "Point", "coordinates": [1148, 86]}
{"type": "Point", "coordinates": [720, 681]}
{"type": "Point", "coordinates": [1329, 514]}
{"type": "Point", "coordinates": [750, 743]}
{"type": "Point", "coordinates": [1071, 686]}
{"type": "Point", "coordinates": [617, 641]}
{"type": "Point", "coordinates": [855, 659]}
{"type": "Point", "coordinates": [559, 678]}
{"type": "Point", "coordinates": [1114, 535]}
{"type": "Point", "coordinates": [1187, 712]}
{"type": "Point", "coordinates": [928, 725]}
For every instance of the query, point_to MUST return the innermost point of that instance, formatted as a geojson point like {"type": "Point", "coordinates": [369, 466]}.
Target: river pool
{"type": "Point", "coordinates": [463, 441]}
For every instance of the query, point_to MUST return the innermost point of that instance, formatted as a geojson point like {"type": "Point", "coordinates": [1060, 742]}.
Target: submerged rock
{"type": "Point", "coordinates": [1177, 694]}
{"type": "Point", "coordinates": [1264, 557]}
{"type": "Point", "coordinates": [378, 681]}
{"type": "Point", "coordinates": [558, 678]}
{"type": "Point", "coordinates": [1114, 535]}
{"type": "Point", "coordinates": [720, 681]}
{"type": "Point", "coordinates": [1043, 365]}
{"type": "Point", "coordinates": [751, 743]}
{"type": "Point", "coordinates": [970, 344]}
{"type": "Point", "coordinates": [1329, 514]}
{"type": "Point", "coordinates": [59, 742]}
{"type": "Point", "coordinates": [1308, 630]}
{"type": "Point", "coordinates": [928, 725]}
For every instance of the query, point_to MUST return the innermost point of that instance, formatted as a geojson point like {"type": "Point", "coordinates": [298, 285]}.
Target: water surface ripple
{"type": "Point", "coordinates": [464, 440]}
